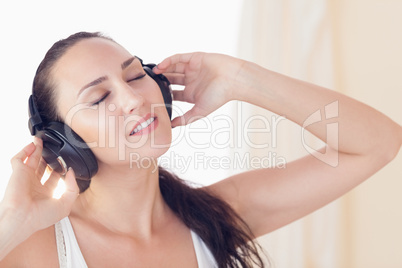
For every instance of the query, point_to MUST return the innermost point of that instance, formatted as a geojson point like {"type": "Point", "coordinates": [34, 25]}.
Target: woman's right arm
{"type": "Point", "coordinates": [28, 206]}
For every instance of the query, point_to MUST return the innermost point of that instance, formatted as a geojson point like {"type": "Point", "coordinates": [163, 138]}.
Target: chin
{"type": "Point", "coordinates": [147, 152]}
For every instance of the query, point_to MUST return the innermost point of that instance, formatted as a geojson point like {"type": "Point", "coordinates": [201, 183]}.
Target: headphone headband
{"type": "Point", "coordinates": [35, 121]}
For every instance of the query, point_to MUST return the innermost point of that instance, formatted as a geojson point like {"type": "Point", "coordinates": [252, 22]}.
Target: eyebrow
{"type": "Point", "coordinates": [127, 63]}
{"type": "Point", "coordinates": [99, 80]}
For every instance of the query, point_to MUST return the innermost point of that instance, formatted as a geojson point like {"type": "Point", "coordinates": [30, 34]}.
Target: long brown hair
{"type": "Point", "coordinates": [227, 236]}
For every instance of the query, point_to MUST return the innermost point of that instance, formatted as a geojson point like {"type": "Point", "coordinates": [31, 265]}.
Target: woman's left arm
{"type": "Point", "coordinates": [269, 198]}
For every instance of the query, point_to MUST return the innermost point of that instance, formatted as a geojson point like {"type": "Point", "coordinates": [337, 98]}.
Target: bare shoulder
{"type": "Point", "coordinates": [39, 250]}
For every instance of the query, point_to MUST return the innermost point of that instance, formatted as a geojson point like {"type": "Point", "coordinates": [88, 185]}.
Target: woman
{"type": "Point", "coordinates": [130, 216]}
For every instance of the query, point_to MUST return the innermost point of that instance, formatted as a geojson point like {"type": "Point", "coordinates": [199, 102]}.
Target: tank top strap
{"type": "Point", "coordinates": [70, 255]}
{"type": "Point", "coordinates": [69, 252]}
{"type": "Point", "coordinates": [205, 258]}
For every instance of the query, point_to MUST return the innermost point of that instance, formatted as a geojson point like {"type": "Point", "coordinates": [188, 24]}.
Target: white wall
{"type": "Point", "coordinates": [368, 64]}
{"type": "Point", "coordinates": [150, 29]}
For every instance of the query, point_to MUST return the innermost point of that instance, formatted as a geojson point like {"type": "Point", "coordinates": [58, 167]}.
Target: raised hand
{"type": "Point", "coordinates": [209, 80]}
{"type": "Point", "coordinates": [31, 203]}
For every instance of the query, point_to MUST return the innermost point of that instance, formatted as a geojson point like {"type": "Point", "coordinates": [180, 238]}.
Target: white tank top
{"type": "Point", "coordinates": [70, 255]}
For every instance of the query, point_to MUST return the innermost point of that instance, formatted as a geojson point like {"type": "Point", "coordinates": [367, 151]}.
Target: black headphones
{"type": "Point", "coordinates": [63, 148]}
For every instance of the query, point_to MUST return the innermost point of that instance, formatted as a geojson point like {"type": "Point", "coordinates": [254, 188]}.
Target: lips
{"type": "Point", "coordinates": [144, 125]}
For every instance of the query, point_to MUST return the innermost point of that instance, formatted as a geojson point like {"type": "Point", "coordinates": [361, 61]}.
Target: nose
{"type": "Point", "coordinates": [129, 99]}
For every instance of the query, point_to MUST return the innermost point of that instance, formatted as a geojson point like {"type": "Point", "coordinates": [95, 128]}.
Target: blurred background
{"type": "Point", "coordinates": [351, 46]}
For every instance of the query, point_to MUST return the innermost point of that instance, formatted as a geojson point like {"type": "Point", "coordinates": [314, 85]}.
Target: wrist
{"type": "Point", "coordinates": [13, 229]}
{"type": "Point", "coordinates": [248, 81]}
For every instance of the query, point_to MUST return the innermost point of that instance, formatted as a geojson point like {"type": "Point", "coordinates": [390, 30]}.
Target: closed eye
{"type": "Point", "coordinates": [101, 99]}
{"type": "Point", "coordinates": [137, 78]}
{"type": "Point", "coordinates": [107, 94]}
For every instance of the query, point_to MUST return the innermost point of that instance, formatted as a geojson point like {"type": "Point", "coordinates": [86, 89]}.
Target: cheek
{"type": "Point", "coordinates": [155, 99]}
{"type": "Point", "coordinates": [88, 123]}
{"type": "Point", "coordinates": [101, 127]}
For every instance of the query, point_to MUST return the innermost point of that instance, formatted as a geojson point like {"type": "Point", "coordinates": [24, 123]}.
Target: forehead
{"type": "Point", "coordinates": [92, 54]}
{"type": "Point", "coordinates": [84, 62]}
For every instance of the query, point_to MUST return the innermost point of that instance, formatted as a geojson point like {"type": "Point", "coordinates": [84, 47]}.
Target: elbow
{"type": "Point", "coordinates": [393, 143]}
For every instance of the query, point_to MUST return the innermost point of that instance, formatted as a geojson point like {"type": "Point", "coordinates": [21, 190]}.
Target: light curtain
{"type": "Point", "coordinates": [292, 37]}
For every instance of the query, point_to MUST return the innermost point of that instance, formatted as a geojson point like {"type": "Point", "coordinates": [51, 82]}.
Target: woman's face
{"type": "Point", "coordinates": [103, 94]}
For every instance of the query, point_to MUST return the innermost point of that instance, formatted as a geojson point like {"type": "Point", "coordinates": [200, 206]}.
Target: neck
{"type": "Point", "coordinates": [125, 201]}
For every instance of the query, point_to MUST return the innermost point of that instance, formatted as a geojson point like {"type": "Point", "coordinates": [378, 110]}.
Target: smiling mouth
{"type": "Point", "coordinates": [142, 126]}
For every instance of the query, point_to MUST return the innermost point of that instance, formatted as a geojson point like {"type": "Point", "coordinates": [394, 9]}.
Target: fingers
{"type": "Point", "coordinates": [179, 95]}
{"type": "Point", "coordinates": [34, 158]}
{"type": "Point", "coordinates": [52, 181]}
{"type": "Point", "coordinates": [174, 64]}
{"type": "Point", "coordinates": [60, 208]}
{"type": "Point", "coordinates": [174, 68]}
{"type": "Point", "coordinates": [187, 118]}
{"type": "Point", "coordinates": [41, 168]}
{"type": "Point", "coordinates": [20, 157]}
{"type": "Point", "coordinates": [175, 79]}
{"type": "Point", "coordinates": [175, 59]}
{"type": "Point", "coordinates": [72, 189]}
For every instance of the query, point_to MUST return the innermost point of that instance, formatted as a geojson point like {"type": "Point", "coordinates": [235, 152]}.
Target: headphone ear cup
{"type": "Point", "coordinates": [63, 148]}
{"type": "Point", "coordinates": [164, 86]}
